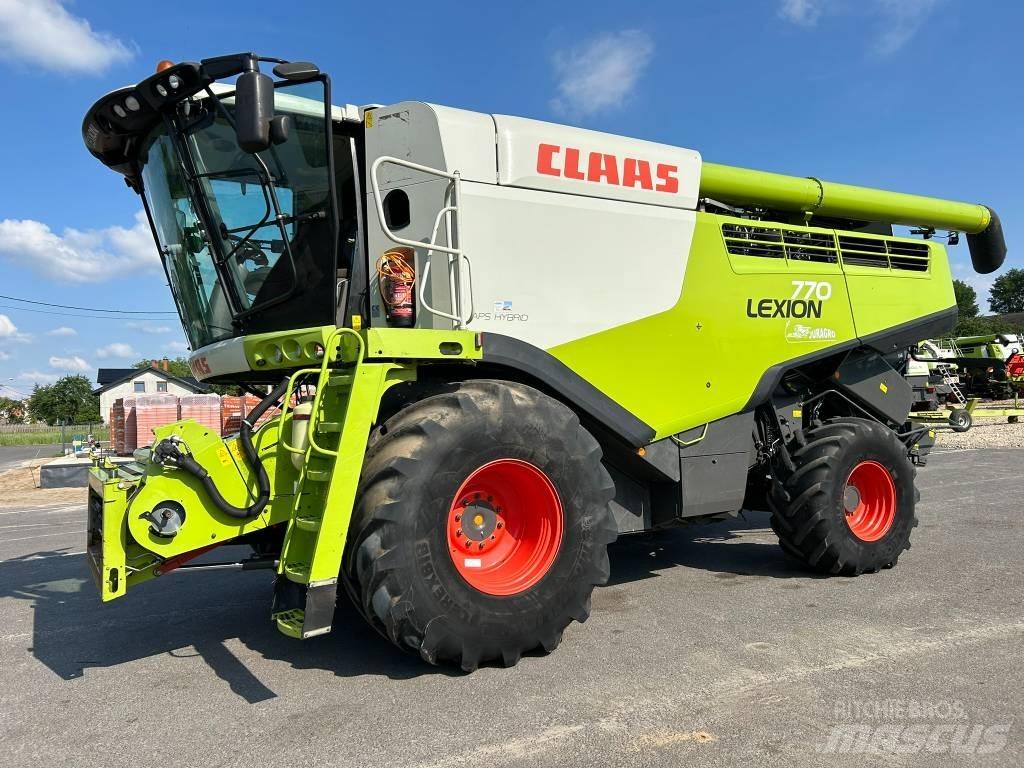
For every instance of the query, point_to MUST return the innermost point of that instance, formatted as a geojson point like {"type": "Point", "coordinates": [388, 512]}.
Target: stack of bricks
{"type": "Point", "coordinates": [234, 409]}
{"type": "Point", "coordinates": [204, 409]}
{"type": "Point", "coordinates": [152, 411]}
{"type": "Point", "coordinates": [251, 401]}
{"type": "Point", "coordinates": [130, 443]}
{"type": "Point", "coordinates": [231, 414]}
{"type": "Point", "coordinates": [117, 426]}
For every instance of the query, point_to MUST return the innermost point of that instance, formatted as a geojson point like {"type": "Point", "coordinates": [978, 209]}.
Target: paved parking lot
{"type": "Point", "coordinates": [708, 646]}
{"type": "Point", "coordinates": [13, 456]}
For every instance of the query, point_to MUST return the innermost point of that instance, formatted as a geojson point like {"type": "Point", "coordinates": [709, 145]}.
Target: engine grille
{"type": "Point", "coordinates": [882, 253]}
{"type": "Point", "coordinates": [777, 243]}
{"type": "Point", "coordinates": [801, 245]}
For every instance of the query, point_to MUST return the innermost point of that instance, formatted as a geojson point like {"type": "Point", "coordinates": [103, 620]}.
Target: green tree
{"type": "Point", "coordinates": [973, 326]}
{"type": "Point", "coordinates": [177, 366]}
{"type": "Point", "coordinates": [12, 411]}
{"type": "Point", "coordinates": [1007, 292]}
{"type": "Point", "coordinates": [966, 299]}
{"type": "Point", "coordinates": [69, 400]}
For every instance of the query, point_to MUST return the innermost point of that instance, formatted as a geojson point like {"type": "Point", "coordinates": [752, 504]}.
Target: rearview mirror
{"type": "Point", "coordinates": [254, 109]}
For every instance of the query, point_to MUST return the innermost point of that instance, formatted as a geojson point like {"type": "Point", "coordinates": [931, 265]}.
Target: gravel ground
{"type": "Point", "coordinates": [987, 431]}
{"type": "Point", "coordinates": [19, 488]}
{"type": "Point", "coordinates": [709, 646]}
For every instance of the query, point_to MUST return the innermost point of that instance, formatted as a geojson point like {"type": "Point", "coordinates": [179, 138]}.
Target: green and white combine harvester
{"type": "Point", "coordinates": [496, 345]}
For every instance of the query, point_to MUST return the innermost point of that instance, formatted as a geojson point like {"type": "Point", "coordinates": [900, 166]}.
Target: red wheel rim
{"type": "Point", "coordinates": [869, 501]}
{"type": "Point", "coordinates": [505, 527]}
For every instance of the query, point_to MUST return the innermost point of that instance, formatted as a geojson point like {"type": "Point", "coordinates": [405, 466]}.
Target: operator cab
{"type": "Point", "coordinates": [258, 232]}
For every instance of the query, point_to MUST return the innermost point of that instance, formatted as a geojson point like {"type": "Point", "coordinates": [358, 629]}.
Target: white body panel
{"type": "Point", "coordinates": [559, 158]}
{"type": "Point", "coordinates": [554, 258]}
{"type": "Point", "coordinates": [219, 358]}
{"type": "Point", "coordinates": [550, 268]}
{"type": "Point", "coordinates": [440, 137]}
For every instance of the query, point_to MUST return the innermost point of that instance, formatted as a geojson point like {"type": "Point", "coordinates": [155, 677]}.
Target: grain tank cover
{"type": "Point", "coordinates": [558, 158]}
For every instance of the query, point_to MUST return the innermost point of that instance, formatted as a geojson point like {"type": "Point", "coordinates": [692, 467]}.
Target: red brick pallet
{"type": "Point", "coordinates": [130, 443]}
{"type": "Point", "coordinates": [116, 422]}
{"type": "Point", "coordinates": [205, 409]}
{"type": "Point", "coordinates": [152, 411]}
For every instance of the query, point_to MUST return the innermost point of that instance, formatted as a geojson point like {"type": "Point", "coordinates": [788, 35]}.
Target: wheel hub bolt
{"type": "Point", "coordinates": [458, 518]}
{"type": "Point", "coordinates": [458, 532]}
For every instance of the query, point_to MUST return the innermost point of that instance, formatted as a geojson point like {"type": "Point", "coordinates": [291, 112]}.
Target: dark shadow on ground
{"type": "Point", "coordinates": [717, 547]}
{"type": "Point", "coordinates": [183, 615]}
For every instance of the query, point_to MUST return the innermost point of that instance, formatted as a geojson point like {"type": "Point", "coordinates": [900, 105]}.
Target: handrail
{"type": "Point", "coordinates": [282, 439]}
{"type": "Point", "coordinates": [322, 373]}
{"type": "Point", "coordinates": [454, 251]}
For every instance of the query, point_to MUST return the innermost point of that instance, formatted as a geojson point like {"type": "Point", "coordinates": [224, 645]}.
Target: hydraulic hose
{"type": "Point", "coordinates": [169, 452]}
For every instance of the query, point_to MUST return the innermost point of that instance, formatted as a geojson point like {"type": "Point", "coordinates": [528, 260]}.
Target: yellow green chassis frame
{"type": "Point", "coordinates": [1012, 414]}
{"type": "Point", "coordinates": [315, 501]}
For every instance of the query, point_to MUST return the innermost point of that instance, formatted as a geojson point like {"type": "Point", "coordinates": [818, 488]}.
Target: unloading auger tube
{"type": "Point", "coordinates": [169, 452]}
{"type": "Point", "coordinates": [811, 196]}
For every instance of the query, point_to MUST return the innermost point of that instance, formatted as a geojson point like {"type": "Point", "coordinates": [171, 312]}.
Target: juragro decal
{"type": "Point", "coordinates": [601, 167]}
{"type": "Point", "coordinates": [808, 299]}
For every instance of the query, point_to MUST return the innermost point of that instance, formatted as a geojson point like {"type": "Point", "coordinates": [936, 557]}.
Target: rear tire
{"type": "Point", "coordinates": [848, 506]}
{"type": "Point", "coordinates": [516, 457]}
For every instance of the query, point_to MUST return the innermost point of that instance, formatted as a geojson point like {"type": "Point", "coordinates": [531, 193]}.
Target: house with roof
{"type": "Point", "coordinates": [115, 383]}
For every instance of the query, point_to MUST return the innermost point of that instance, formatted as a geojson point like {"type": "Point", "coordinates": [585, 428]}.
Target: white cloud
{"type": "Point", "coordinates": [803, 12]}
{"type": "Point", "coordinates": [147, 327]}
{"type": "Point", "coordinates": [897, 20]}
{"type": "Point", "coordinates": [176, 346]}
{"type": "Point", "coordinates": [902, 19]}
{"type": "Point", "coordinates": [600, 73]}
{"type": "Point", "coordinates": [79, 256]}
{"type": "Point", "coordinates": [38, 377]}
{"type": "Point", "coordinates": [43, 32]}
{"type": "Point", "coordinates": [7, 328]}
{"type": "Point", "coordinates": [4, 356]}
{"type": "Point", "coordinates": [117, 349]}
{"type": "Point", "coordinates": [62, 331]}
{"type": "Point", "coordinates": [72, 363]}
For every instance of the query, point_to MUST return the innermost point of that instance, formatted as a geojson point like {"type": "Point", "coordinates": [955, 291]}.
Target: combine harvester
{"type": "Point", "coordinates": [992, 365]}
{"type": "Point", "coordinates": [522, 340]}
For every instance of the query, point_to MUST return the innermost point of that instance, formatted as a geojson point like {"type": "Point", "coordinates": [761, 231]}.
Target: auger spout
{"type": "Point", "coordinates": [776, 191]}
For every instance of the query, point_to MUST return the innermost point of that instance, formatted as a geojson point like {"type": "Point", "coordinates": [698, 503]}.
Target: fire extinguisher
{"type": "Point", "coordinates": [397, 278]}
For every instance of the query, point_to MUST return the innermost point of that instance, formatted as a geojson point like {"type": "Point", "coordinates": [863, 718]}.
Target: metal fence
{"type": "Point", "coordinates": [43, 434]}
{"type": "Point", "coordinates": [70, 429]}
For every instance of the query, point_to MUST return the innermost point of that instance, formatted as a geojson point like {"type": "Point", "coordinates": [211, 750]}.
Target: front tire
{"type": "Point", "coordinates": [960, 419]}
{"type": "Point", "coordinates": [481, 525]}
{"type": "Point", "coordinates": [848, 505]}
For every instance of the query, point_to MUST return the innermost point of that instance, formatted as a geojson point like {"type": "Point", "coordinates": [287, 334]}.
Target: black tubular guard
{"type": "Point", "coordinates": [988, 247]}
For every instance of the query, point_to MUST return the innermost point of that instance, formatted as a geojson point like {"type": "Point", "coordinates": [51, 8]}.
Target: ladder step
{"type": "Point", "coordinates": [290, 622]}
{"type": "Point", "coordinates": [327, 427]}
{"type": "Point", "coordinates": [308, 522]}
{"type": "Point", "coordinates": [340, 380]}
{"type": "Point", "coordinates": [318, 475]}
{"type": "Point", "coordinates": [297, 572]}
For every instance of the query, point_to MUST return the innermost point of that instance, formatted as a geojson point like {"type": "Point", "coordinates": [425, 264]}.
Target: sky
{"type": "Point", "coordinates": [919, 96]}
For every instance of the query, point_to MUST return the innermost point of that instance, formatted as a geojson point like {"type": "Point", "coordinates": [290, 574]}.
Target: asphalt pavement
{"type": "Point", "coordinates": [14, 456]}
{"type": "Point", "coordinates": [709, 647]}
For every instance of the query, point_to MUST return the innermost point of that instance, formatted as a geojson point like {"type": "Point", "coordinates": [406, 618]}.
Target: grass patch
{"type": "Point", "coordinates": [47, 436]}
